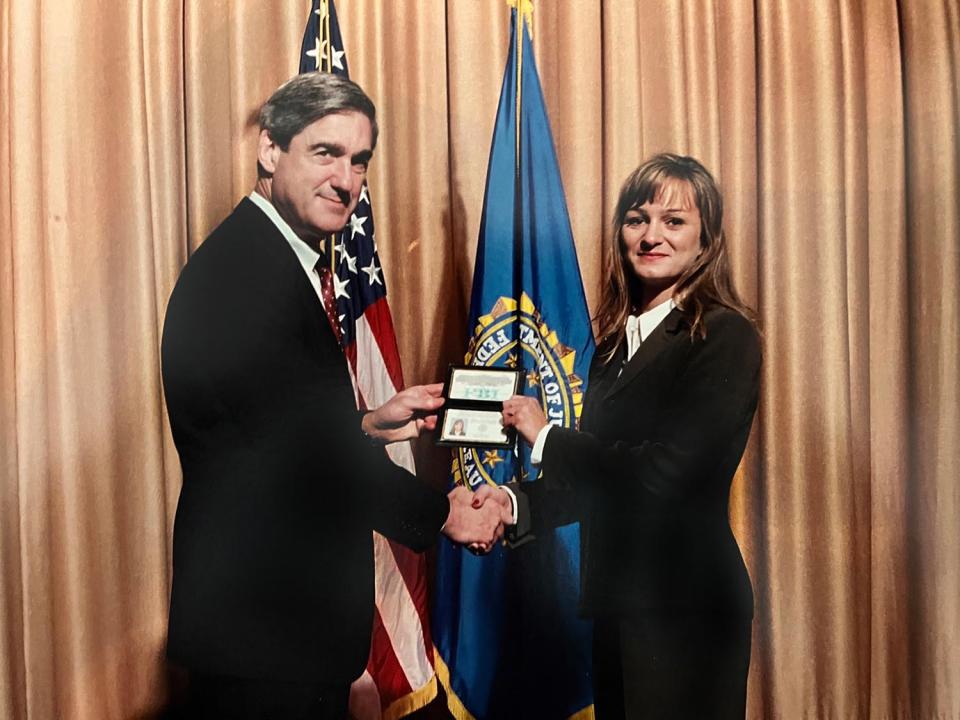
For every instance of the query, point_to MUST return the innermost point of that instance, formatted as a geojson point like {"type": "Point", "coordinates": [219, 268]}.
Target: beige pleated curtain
{"type": "Point", "coordinates": [126, 134]}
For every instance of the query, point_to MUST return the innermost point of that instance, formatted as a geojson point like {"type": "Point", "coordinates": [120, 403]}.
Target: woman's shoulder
{"type": "Point", "coordinates": [723, 315]}
{"type": "Point", "coordinates": [727, 324]}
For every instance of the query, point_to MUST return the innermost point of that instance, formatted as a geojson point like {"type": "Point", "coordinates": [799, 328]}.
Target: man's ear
{"type": "Point", "coordinates": [268, 152]}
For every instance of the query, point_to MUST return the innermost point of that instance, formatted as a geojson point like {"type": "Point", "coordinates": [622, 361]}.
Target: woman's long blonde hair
{"type": "Point", "coordinates": [705, 284]}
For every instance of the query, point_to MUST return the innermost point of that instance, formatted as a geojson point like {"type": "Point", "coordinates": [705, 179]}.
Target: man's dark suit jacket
{"type": "Point", "coordinates": [649, 475]}
{"type": "Point", "coordinates": [272, 551]}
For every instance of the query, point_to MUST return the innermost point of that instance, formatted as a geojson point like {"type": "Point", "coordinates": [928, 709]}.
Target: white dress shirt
{"type": "Point", "coordinates": [640, 326]}
{"type": "Point", "coordinates": [638, 329]}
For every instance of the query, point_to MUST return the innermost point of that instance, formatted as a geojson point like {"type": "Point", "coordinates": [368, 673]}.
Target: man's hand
{"type": "Point", "coordinates": [525, 414]}
{"type": "Point", "coordinates": [406, 415]}
{"type": "Point", "coordinates": [477, 525]}
{"type": "Point", "coordinates": [497, 496]}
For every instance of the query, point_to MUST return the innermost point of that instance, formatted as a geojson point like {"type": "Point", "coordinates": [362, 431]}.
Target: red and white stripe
{"type": "Point", "coordinates": [400, 676]}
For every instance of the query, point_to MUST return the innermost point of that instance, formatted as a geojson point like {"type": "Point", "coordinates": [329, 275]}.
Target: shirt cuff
{"type": "Point", "coordinates": [513, 504]}
{"type": "Point", "coordinates": [536, 455]}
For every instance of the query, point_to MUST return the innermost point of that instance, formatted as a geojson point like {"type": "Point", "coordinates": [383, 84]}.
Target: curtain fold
{"type": "Point", "coordinates": [92, 236]}
{"type": "Point", "coordinates": [128, 132]}
{"type": "Point", "coordinates": [931, 70]}
{"type": "Point", "coordinates": [815, 553]}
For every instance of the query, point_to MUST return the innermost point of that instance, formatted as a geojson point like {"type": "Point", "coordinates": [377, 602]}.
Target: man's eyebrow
{"type": "Point", "coordinates": [333, 148]}
{"type": "Point", "coordinates": [338, 150]}
{"type": "Point", "coordinates": [362, 157]}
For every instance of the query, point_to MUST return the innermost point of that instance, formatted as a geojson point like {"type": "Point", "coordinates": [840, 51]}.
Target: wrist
{"type": "Point", "coordinates": [513, 503]}
{"type": "Point", "coordinates": [450, 525]}
{"type": "Point", "coordinates": [369, 429]}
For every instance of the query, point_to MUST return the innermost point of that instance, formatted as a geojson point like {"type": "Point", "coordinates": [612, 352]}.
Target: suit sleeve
{"type": "Point", "coordinates": [408, 511]}
{"type": "Point", "coordinates": [360, 476]}
{"type": "Point", "coordinates": [248, 391]}
{"type": "Point", "coordinates": [715, 397]}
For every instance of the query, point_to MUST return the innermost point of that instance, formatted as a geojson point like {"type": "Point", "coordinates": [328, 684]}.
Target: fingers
{"type": "Point", "coordinates": [406, 415]}
{"type": "Point", "coordinates": [520, 408]}
{"type": "Point", "coordinates": [474, 521]}
{"type": "Point", "coordinates": [500, 498]}
{"type": "Point", "coordinates": [460, 495]}
{"type": "Point", "coordinates": [518, 402]}
{"type": "Point", "coordinates": [434, 389]}
{"type": "Point", "coordinates": [492, 526]}
{"type": "Point", "coordinates": [423, 397]}
{"type": "Point", "coordinates": [506, 513]}
{"type": "Point", "coordinates": [428, 423]}
{"type": "Point", "coordinates": [482, 494]}
{"type": "Point", "coordinates": [429, 403]}
{"type": "Point", "coordinates": [525, 414]}
{"type": "Point", "coordinates": [418, 402]}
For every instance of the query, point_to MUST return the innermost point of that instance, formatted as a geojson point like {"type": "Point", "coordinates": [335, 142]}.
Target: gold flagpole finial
{"type": "Point", "coordinates": [328, 41]}
{"type": "Point", "coordinates": [525, 8]}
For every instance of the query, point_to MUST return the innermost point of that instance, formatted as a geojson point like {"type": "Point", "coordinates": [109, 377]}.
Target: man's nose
{"type": "Point", "coordinates": [343, 175]}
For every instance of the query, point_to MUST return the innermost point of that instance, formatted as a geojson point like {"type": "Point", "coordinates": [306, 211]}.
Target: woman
{"type": "Point", "coordinates": [668, 409]}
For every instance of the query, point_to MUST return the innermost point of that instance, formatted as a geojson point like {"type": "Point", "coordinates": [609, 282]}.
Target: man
{"type": "Point", "coordinates": [272, 601]}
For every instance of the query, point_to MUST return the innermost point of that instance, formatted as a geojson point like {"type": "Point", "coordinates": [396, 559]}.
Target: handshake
{"type": "Point", "coordinates": [477, 519]}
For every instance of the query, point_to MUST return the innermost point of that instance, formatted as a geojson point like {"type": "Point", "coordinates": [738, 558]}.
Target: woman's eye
{"type": "Point", "coordinates": [675, 221]}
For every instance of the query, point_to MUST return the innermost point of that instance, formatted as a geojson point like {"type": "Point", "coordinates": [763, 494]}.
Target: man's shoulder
{"type": "Point", "coordinates": [246, 237]}
{"type": "Point", "coordinates": [243, 252]}
{"type": "Point", "coordinates": [245, 222]}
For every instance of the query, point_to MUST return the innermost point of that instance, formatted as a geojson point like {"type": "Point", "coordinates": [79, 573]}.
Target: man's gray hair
{"type": "Point", "coordinates": [307, 98]}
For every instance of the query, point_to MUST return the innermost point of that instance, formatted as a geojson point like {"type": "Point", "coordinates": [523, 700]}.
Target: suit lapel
{"type": "Point", "coordinates": [292, 267]}
{"type": "Point", "coordinates": [662, 337]}
{"type": "Point", "coordinates": [602, 376]}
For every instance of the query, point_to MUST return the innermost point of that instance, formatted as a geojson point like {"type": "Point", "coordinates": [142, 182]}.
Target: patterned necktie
{"type": "Point", "coordinates": [329, 301]}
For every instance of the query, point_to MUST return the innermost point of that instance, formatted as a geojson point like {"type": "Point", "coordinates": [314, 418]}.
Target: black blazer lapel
{"type": "Point", "coordinates": [271, 234]}
{"type": "Point", "coordinates": [267, 232]}
{"type": "Point", "coordinates": [602, 377]}
{"type": "Point", "coordinates": [663, 336]}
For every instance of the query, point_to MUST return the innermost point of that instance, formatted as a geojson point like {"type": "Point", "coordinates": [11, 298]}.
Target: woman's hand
{"type": "Point", "coordinates": [525, 414]}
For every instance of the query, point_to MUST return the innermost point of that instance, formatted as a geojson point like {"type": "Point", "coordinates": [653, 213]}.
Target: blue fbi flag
{"type": "Point", "coordinates": [505, 626]}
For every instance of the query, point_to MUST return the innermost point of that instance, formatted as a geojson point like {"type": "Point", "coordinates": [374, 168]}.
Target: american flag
{"type": "Point", "coordinates": [400, 676]}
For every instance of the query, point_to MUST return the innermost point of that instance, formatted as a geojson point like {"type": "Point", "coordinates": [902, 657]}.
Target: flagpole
{"type": "Point", "coordinates": [517, 179]}
{"type": "Point", "coordinates": [325, 15]}
{"type": "Point", "coordinates": [325, 64]}
{"type": "Point", "coordinates": [518, 212]}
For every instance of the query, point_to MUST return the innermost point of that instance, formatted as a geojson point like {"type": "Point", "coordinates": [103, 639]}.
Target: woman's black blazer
{"type": "Point", "coordinates": [649, 473]}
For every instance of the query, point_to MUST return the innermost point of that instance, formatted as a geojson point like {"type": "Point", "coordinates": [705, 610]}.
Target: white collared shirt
{"type": "Point", "coordinates": [307, 256]}
{"type": "Point", "coordinates": [638, 329]}
{"type": "Point", "coordinates": [640, 326]}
